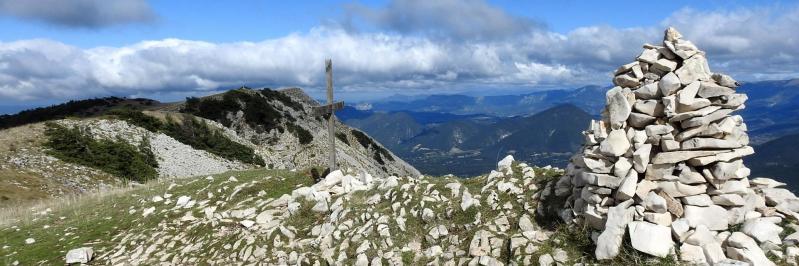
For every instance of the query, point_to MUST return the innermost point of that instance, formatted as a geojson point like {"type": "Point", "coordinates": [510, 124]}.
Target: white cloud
{"type": "Point", "coordinates": [753, 43]}
{"type": "Point", "coordinates": [41, 68]}
{"type": "Point", "coordinates": [750, 44]}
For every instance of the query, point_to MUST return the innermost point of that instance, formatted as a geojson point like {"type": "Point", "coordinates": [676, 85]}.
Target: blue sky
{"type": "Point", "coordinates": [256, 20]}
{"type": "Point", "coordinates": [53, 50]}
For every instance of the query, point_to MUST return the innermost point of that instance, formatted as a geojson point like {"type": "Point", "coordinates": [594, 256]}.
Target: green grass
{"type": "Point", "coordinates": [96, 220]}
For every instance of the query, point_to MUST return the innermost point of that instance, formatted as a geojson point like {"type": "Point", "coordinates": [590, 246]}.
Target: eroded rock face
{"type": "Point", "coordinates": [668, 149]}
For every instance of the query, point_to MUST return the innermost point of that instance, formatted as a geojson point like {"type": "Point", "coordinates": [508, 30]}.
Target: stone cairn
{"type": "Point", "coordinates": [664, 165]}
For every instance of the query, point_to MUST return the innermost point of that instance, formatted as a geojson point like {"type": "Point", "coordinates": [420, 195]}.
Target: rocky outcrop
{"type": "Point", "coordinates": [280, 148]}
{"type": "Point", "coordinates": [665, 162]}
{"type": "Point", "coordinates": [175, 159]}
{"type": "Point", "coordinates": [350, 219]}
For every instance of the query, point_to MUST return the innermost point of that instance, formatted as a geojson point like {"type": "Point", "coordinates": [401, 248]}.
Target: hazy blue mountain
{"type": "Point", "coordinates": [589, 98]}
{"type": "Point", "coordinates": [772, 109]}
{"type": "Point", "coordinates": [449, 131]}
{"type": "Point", "coordinates": [392, 128]}
{"type": "Point", "coordinates": [778, 159]}
{"type": "Point", "coordinates": [471, 145]}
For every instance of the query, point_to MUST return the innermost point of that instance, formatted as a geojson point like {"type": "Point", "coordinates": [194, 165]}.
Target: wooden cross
{"type": "Point", "coordinates": [330, 108]}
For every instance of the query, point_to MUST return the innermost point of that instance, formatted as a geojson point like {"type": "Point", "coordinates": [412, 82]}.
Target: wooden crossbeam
{"type": "Point", "coordinates": [327, 108]}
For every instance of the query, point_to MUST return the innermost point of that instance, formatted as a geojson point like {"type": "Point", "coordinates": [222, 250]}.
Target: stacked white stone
{"type": "Point", "coordinates": [664, 164]}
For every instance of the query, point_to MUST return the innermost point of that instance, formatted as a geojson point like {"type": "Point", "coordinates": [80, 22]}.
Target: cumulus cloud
{"type": "Point", "coordinates": [754, 43]}
{"type": "Point", "coordinates": [375, 61]}
{"type": "Point", "coordinates": [36, 69]}
{"type": "Point", "coordinates": [80, 13]}
{"type": "Point", "coordinates": [461, 19]}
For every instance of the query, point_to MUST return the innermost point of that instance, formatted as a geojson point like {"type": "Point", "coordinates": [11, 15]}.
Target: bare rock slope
{"type": "Point", "coordinates": [276, 125]}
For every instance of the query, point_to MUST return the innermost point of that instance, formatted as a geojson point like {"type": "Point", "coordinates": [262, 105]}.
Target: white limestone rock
{"type": "Point", "coordinates": [714, 217]}
{"type": "Point", "coordinates": [693, 69]}
{"type": "Point", "coordinates": [728, 200]}
{"type": "Point", "coordinates": [504, 165]}
{"type": "Point", "coordinates": [80, 255]}
{"type": "Point", "coordinates": [763, 182]}
{"type": "Point", "coordinates": [725, 80]}
{"type": "Point", "coordinates": [742, 247]}
{"type": "Point", "coordinates": [702, 200]}
{"type": "Point", "coordinates": [655, 203]}
{"type": "Point", "coordinates": [648, 91]}
{"type": "Point", "coordinates": [641, 158]}
{"type": "Point", "coordinates": [692, 254]}
{"type": "Point", "coordinates": [651, 239]}
{"type": "Point", "coordinates": [609, 241]}
{"type": "Point", "coordinates": [618, 107]}
{"type": "Point", "coordinates": [628, 186]}
{"type": "Point", "coordinates": [669, 84]}
{"type": "Point", "coordinates": [776, 196]}
{"type": "Point", "coordinates": [711, 89]}
{"type": "Point", "coordinates": [762, 230]}
{"type": "Point", "coordinates": [526, 224]}
{"type": "Point", "coordinates": [546, 260]}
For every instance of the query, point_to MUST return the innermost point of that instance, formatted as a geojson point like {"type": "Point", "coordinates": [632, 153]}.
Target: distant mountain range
{"type": "Point", "coordinates": [772, 110]}
{"type": "Point", "coordinates": [467, 145]}
{"type": "Point", "coordinates": [459, 132]}
{"type": "Point", "coordinates": [589, 98]}
{"type": "Point", "coordinates": [777, 158]}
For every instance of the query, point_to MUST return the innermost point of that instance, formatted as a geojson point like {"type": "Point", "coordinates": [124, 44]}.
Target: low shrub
{"type": "Point", "coordinates": [367, 142]}
{"type": "Point", "coordinates": [114, 157]}
{"type": "Point", "coordinates": [80, 108]}
{"type": "Point", "coordinates": [199, 135]}
{"type": "Point", "coordinates": [343, 138]}
{"type": "Point", "coordinates": [301, 133]}
{"type": "Point", "coordinates": [139, 119]}
{"type": "Point", "coordinates": [194, 133]}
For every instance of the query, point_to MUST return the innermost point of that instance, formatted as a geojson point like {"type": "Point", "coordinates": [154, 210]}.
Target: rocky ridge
{"type": "Point", "coordinates": [664, 167]}
{"type": "Point", "coordinates": [351, 220]}
{"type": "Point", "coordinates": [38, 175]}
{"type": "Point", "coordinates": [175, 159]}
{"type": "Point", "coordinates": [281, 218]}
{"type": "Point", "coordinates": [280, 149]}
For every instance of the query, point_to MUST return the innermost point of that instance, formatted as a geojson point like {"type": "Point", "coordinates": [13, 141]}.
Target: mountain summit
{"type": "Point", "coordinates": [98, 144]}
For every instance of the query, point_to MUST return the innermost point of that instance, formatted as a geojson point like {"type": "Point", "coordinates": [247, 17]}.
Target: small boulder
{"type": "Point", "coordinates": [80, 255]}
{"type": "Point", "coordinates": [650, 238]}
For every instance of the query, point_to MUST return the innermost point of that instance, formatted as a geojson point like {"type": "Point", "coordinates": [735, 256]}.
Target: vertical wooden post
{"type": "Point", "coordinates": [330, 122]}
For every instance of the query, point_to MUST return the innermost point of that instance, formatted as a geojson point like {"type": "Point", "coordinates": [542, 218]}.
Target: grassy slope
{"type": "Point", "coordinates": [113, 222]}
{"type": "Point", "coordinates": [37, 178]}
{"type": "Point", "coordinates": [96, 220]}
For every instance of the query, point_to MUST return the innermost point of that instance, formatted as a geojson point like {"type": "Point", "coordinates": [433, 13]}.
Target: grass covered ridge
{"type": "Point", "coordinates": [99, 221]}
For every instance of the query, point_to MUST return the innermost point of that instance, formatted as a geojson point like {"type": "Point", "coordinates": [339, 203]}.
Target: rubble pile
{"type": "Point", "coordinates": [664, 165]}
